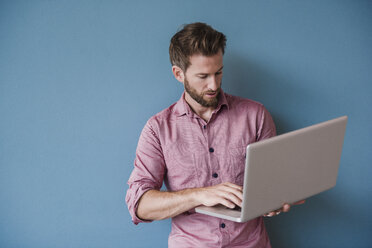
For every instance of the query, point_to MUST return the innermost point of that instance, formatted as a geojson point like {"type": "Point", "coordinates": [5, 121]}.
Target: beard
{"type": "Point", "coordinates": [199, 98]}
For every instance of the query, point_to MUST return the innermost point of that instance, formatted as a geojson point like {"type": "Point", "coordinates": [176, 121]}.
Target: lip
{"type": "Point", "coordinates": [211, 94]}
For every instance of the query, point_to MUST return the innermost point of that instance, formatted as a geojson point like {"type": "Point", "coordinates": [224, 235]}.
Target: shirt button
{"type": "Point", "coordinates": [223, 225]}
{"type": "Point", "coordinates": [211, 149]}
{"type": "Point", "coordinates": [205, 126]}
{"type": "Point", "coordinates": [215, 175]}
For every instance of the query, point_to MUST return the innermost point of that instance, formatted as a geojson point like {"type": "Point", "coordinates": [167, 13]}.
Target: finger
{"type": "Point", "coordinates": [234, 186]}
{"type": "Point", "coordinates": [299, 202]}
{"type": "Point", "coordinates": [234, 191]}
{"type": "Point", "coordinates": [231, 197]}
{"type": "Point", "coordinates": [227, 203]}
{"type": "Point", "coordinates": [286, 207]}
{"type": "Point", "coordinates": [270, 214]}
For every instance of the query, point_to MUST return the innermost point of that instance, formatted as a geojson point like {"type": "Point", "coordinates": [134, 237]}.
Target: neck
{"type": "Point", "coordinates": [203, 112]}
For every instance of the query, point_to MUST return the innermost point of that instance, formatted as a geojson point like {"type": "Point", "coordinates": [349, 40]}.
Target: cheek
{"type": "Point", "coordinates": [199, 85]}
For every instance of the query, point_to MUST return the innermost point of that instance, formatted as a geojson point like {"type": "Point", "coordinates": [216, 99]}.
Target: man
{"type": "Point", "coordinates": [197, 147]}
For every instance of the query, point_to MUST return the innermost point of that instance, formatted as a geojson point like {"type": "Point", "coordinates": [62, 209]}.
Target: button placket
{"type": "Point", "coordinates": [225, 234]}
{"type": "Point", "coordinates": [211, 157]}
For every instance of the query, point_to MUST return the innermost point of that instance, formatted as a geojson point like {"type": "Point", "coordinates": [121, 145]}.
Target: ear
{"type": "Point", "coordinates": [178, 73]}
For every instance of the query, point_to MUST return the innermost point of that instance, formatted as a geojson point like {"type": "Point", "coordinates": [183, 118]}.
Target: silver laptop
{"type": "Point", "coordinates": [286, 169]}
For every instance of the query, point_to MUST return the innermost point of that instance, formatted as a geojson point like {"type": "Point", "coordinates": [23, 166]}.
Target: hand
{"type": "Point", "coordinates": [286, 207]}
{"type": "Point", "coordinates": [227, 194]}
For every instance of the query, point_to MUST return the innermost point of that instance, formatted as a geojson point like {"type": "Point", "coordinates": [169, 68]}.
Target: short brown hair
{"type": "Point", "coordinates": [195, 38]}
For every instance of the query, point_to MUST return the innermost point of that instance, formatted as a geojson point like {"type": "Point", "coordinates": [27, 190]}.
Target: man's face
{"type": "Point", "coordinates": [203, 79]}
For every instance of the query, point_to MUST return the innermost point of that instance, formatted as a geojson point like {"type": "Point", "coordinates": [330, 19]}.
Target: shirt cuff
{"type": "Point", "coordinates": [134, 193]}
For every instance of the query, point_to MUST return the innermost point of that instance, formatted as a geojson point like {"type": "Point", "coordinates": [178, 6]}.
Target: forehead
{"type": "Point", "coordinates": [205, 64]}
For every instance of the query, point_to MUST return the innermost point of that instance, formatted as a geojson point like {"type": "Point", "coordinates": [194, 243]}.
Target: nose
{"type": "Point", "coordinates": [213, 83]}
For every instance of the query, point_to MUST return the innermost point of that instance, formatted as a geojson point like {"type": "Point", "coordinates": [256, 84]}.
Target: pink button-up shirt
{"type": "Point", "coordinates": [179, 148]}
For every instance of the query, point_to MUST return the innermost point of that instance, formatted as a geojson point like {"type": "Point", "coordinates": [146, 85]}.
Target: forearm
{"type": "Point", "coordinates": [158, 205]}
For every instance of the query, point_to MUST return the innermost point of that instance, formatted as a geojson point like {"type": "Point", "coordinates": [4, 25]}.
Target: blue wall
{"type": "Point", "coordinates": [79, 79]}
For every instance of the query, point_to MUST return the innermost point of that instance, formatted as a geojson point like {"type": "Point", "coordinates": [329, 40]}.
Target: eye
{"type": "Point", "coordinates": [203, 76]}
{"type": "Point", "coordinates": [219, 73]}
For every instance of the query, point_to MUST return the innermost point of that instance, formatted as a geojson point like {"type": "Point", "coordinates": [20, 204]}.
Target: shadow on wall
{"type": "Point", "coordinates": [291, 100]}
{"type": "Point", "coordinates": [320, 218]}
{"type": "Point", "coordinates": [295, 100]}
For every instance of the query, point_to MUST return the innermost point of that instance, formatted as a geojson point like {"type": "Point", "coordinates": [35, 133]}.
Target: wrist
{"type": "Point", "coordinates": [191, 197]}
{"type": "Point", "coordinates": [195, 196]}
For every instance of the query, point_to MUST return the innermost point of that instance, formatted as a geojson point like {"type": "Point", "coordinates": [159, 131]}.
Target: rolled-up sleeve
{"type": "Point", "coordinates": [148, 172]}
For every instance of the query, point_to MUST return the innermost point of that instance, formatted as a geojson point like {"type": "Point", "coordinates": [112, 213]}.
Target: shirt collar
{"type": "Point", "coordinates": [182, 107]}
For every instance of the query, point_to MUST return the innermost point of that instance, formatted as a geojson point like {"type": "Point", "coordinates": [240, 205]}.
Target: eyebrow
{"type": "Point", "coordinates": [201, 73]}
